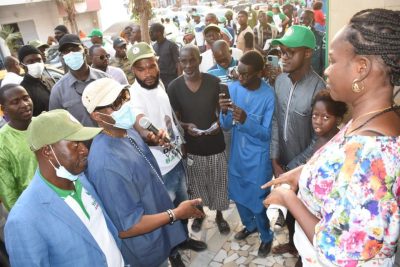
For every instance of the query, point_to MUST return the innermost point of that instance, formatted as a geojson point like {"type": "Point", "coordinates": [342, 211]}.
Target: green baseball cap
{"type": "Point", "coordinates": [56, 125]}
{"type": "Point", "coordinates": [96, 32]}
{"type": "Point", "coordinates": [222, 20]}
{"type": "Point", "coordinates": [297, 36]}
{"type": "Point", "coordinates": [37, 44]}
{"type": "Point", "coordinates": [140, 51]}
{"type": "Point", "coordinates": [276, 5]}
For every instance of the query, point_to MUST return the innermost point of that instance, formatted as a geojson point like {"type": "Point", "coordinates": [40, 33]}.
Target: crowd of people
{"type": "Point", "coordinates": [106, 165]}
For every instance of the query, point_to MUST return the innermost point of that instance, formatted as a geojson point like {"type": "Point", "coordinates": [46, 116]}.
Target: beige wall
{"type": "Point", "coordinates": [340, 11]}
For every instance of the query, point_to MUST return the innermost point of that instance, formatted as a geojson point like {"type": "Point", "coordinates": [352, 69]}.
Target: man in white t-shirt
{"type": "Point", "coordinates": [13, 69]}
{"type": "Point", "coordinates": [149, 99]}
{"type": "Point", "coordinates": [198, 30]}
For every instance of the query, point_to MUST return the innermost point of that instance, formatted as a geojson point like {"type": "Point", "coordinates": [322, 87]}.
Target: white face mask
{"type": "Point", "coordinates": [61, 171]}
{"type": "Point", "coordinates": [35, 69]}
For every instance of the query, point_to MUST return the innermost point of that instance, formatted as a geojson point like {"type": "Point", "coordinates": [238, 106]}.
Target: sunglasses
{"type": "Point", "coordinates": [103, 57]}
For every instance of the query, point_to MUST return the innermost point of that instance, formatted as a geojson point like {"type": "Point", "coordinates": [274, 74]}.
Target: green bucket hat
{"type": "Point", "coordinates": [139, 51]}
{"type": "Point", "coordinates": [56, 125]}
{"type": "Point", "coordinates": [96, 32]}
{"type": "Point", "coordinates": [297, 36]}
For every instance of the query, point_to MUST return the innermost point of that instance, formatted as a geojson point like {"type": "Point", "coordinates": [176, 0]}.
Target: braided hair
{"type": "Point", "coordinates": [377, 32]}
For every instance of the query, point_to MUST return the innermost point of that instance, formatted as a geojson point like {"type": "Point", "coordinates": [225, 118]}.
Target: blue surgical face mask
{"type": "Point", "coordinates": [124, 118]}
{"type": "Point", "coordinates": [61, 171]}
{"type": "Point", "coordinates": [74, 60]}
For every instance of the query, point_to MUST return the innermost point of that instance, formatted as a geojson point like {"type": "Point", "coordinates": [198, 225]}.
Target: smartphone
{"type": "Point", "coordinates": [223, 89]}
{"type": "Point", "coordinates": [273, 60]}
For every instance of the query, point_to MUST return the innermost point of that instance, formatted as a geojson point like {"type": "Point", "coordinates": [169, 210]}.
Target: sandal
{"type": "Point", "coordinates": [223, 226]}
{"type": "Point", "coordinates": [196, 225]}
{"type": "Point", "coordinates": [285, 248]}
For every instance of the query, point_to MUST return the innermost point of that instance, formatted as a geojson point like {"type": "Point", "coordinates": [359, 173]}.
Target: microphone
{"type": "Point", "coordinates": [145, 123]}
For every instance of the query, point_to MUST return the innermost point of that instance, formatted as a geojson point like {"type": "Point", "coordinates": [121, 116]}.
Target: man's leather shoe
{"type": "Point", "coordinates": [194, 245]}
{"type": "Point", "coordinates": [244, 233]}
{"type": "Point", "coordinates": [264, 249]}
{"type": "Point", "coordinates": [176, 261]}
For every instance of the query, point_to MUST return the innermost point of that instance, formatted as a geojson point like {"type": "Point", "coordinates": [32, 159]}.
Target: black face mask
{"type": "Point", "coordinates": [144, 85]}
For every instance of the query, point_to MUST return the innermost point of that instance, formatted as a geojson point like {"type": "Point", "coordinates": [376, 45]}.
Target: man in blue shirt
{"type": "Point", "coordinates": [248, 113]}
{"type": "Point", "coordinates": [224, 60]}
{"type": "Point", "coordinates": [127, 178]}
{"type": "Point", "coordinates": [59, 219]}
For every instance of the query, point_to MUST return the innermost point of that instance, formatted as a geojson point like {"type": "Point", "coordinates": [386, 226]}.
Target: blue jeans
{"type": "Point", "coordinates": [175, 182]}
{"type": "Point", "coordinates": [257, 221]}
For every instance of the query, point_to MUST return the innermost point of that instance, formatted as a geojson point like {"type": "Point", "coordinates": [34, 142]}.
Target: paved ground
{"type": "Point", "coordinates": [225, 251]}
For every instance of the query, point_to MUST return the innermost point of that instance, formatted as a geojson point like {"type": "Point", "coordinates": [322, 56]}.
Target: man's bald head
{"type": "Point", "coordinates": [189, 48]}
{"type": "Point", "coordinates": [12, 64]}
{"type": "Point", "coordinates": [222, 53]}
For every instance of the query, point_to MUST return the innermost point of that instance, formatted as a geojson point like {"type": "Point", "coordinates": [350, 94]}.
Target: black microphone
{"type": "Point", "coordinates": [145, 123]}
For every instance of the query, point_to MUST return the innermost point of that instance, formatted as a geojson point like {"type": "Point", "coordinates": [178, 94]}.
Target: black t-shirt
{"type": "Point", "coordinates": [199, 108]}
{"type": "Point", "coordinates": [39, 91]}
{"type": "Point", "coordinates": [168, 56]}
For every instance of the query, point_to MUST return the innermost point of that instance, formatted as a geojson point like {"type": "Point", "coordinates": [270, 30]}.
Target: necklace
{"type": "Point", "coordinates": [136, 146]}
{"type": "Point", "coordinates": [377, 113]}
{"type": "Point", "coordinates": [113, 135]}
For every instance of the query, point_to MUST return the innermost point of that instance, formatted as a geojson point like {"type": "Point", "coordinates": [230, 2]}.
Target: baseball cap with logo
{"type": "Point", "coordinates": [140, 51]}
{"type": "Point", "coordinates": [57, 125]}
{"type": "Point", "coordinates": [297, 36]}
{"type": "Point", "coordinates": [119, 42]}
{"type": "Point", "coordinates": [101, 92]}
{"type": "Point", "coordinates": [96, 32]}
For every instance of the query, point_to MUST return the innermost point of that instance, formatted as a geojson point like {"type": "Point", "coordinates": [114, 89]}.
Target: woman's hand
{"type": "Point", "coordinates": [291, 178]}
{"type": "Point", "coordinates": [278, 196]}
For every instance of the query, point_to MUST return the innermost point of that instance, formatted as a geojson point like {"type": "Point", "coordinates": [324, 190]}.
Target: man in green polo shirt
{"type": "Point", "coordinates": [59, 220]}
{"type": "Point", "coordinates": [17, 161]}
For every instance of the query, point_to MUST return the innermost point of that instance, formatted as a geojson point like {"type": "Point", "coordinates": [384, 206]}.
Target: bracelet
{"type": "Point", "coordinates": [171, 215]}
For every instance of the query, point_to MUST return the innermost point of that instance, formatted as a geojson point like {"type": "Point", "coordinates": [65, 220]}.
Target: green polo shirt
{"type": "Point", "coordinates": [75, 194]}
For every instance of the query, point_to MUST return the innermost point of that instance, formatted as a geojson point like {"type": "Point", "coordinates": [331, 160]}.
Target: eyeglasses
{"type": "Point", "coordinates": [289, 53]}
{"type": "Point", "coordinates": [103, 57]}
{"type": "Point", "coordinates": [123, 97]}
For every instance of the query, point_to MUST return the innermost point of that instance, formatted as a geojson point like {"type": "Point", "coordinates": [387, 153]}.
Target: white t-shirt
{"type": "Point", "coordinates": [207, 58]}
{"type": "Point", "coordinates": [117, 74]}
{"type": "Point", "coordinates": [155, 105]}
{"type": "Point", "coordinates": [97, 226]}
{"type": "Point", "coordinates": [11, 77]}
{"type": "Point", "coordinates": [198, 33]}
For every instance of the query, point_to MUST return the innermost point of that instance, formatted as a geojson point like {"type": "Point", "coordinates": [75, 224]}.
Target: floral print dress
{"type": "Point", "coordinates": [352, 184]}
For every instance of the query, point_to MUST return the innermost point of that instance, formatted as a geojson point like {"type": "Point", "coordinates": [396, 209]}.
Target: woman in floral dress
{"type": "Point", "coordinates": [347, 209]}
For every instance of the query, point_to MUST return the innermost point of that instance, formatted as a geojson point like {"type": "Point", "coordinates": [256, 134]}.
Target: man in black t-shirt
{"type": "Point", "coordinates": [194, 98]}
{"type": "Point", "coordinates": [167, 52]}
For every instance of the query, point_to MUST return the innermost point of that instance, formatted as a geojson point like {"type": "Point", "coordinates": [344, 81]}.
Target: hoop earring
{"type": "Point", "coordinates": [357, 86]}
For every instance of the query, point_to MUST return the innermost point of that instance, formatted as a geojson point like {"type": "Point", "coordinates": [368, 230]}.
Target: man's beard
{"type": "Point", "coordinates": [152, 86]}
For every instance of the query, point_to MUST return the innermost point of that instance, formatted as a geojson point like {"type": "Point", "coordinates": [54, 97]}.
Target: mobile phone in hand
{"type": "Point", "coordinates": [223, 89]}
{"type": "Point", "coordinates": [273, 61]}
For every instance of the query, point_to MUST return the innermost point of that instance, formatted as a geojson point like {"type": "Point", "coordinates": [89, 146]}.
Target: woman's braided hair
{"type": "Point", "coordinates": [377, 32]}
